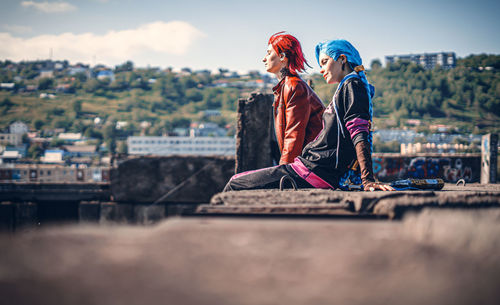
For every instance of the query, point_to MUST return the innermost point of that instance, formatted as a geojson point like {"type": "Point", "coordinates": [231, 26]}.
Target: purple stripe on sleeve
{"type": "Point", "coordinates": [357, 125]}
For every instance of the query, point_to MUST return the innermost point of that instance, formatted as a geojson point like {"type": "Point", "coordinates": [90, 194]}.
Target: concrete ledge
{"type": "Point", "coordinates": [327, 202]}
{"type": "Point", "coordinates": [37, 191]}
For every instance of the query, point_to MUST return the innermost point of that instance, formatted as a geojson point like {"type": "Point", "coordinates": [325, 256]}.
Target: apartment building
{"type": "Point", "coordinates": [446, 60]}
{"type": "Point", "coordinates": [166, 146]}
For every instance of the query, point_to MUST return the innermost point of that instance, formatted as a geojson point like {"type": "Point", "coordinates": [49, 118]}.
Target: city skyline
{"type": "Point", "coordinates": [233, 35]}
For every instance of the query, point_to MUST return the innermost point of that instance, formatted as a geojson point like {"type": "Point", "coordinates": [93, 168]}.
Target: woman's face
{"type": "Point", "coordinates": [331, 69]}
{"type": "Point", "coordinates": [272, 61]}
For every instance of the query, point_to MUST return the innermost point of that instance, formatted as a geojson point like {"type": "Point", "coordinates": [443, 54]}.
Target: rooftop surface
{"type": "Point", "coordinates": [442, 250]}
{"type": "Point", "coordinates": [435, 256]}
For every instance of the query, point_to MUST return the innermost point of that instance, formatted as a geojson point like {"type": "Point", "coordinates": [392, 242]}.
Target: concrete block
{"type": "Point", "coordinates": [179, 209]}
{"type": "Point", "coordinates": [6, 216]}
{"type": "Point", "coordinates": [26, 216]}
{"type": "Point", "coordinates": [116, 213]}
{"type": "Point", "coordinates": [175, 179]}
{"type": "Point", "coordinates": [149, 214]}
{"type": "Point", "coordinates": [89, 211]}
{"type": "Point", "coordinates": [254, 133]}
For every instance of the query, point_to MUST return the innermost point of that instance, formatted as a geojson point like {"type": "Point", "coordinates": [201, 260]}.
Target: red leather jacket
{"type": "Point", "coordinates": [297, 116]}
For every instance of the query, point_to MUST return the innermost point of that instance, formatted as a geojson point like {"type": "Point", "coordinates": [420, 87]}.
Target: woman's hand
{"type": "Point", "coordinates": [372, 186]}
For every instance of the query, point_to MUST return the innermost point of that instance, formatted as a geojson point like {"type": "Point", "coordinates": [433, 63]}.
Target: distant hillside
{"type": "Point", "coordinates": [467, 97]}
{"type": "Point", "coordinates": [71, 97]}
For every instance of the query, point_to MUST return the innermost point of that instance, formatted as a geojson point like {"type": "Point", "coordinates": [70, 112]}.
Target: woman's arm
{"type": "Point", "coordinates": [364, 156]}
{"type": "Point", "coordinates": [357, 121]}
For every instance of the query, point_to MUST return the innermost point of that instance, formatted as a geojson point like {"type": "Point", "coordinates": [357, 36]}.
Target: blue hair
{"type": "Point", "coordinates": [335, 48]}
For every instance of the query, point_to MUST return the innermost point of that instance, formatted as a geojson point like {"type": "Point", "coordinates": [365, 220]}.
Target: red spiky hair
{"type": "Point", "coordinates": [290, 46]}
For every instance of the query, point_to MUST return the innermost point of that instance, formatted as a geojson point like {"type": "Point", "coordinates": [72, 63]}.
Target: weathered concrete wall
{"type": "Point", "coordinates": [40, 191]}
{"type": "Point", "coordinates": [254, 132]}
{"type": "Point", "coordinates": [16, 216]}
{"type": "Point", "coordinates": [449, 167]}
{"type": "Point", "coordinates": [175, 179]}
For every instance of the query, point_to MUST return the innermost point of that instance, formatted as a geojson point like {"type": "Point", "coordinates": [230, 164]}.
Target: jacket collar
{"type": "Point", "coordinates": [277, 88]}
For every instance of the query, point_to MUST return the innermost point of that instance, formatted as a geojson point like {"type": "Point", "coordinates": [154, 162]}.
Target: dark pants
{"type": "Point", "coordinates": [265, 178]}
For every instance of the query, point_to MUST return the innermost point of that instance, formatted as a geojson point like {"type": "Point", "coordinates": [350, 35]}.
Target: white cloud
{"type": "Point", "coordinates": [50, 7]}
{"type": "Point", "coordinates": [16, 29]}
{"type": "Point", "coordinates": [114, 47]}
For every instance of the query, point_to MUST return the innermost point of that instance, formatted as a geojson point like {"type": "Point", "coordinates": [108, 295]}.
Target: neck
{"type": "Point", "coordinates": [284, 72]}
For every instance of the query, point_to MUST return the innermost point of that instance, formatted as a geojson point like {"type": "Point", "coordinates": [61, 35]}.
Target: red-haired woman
{"type": "Point", "coordinates": [297, 109]}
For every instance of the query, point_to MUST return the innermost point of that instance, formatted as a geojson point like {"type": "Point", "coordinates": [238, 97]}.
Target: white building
{"type": "Point", "coordinates": [70, 136]}
{"type": "Point", "coordinates": [15, 139]}
{"type": "Point", "coordinates": [447, 60]}
{"type": "Point", "coordinates": [106, 74]}
{"type": "Point", "coordinates": [53, 156]}
{"type": "Point", "coordinates": [166, 146]}
{"type": "Point", "coordinates": [18, 127]}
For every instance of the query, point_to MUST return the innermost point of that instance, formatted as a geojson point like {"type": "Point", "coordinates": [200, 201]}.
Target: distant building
{"type": "Point", "coordinates": [64, 88]}
{"type": "Point", "coordinates": [207, 129]}
{"type": "Point", "coordinates": [399, 135]}
{"type": "Point", "coordinates": [181, 132]}
{"type": "Point", "coordinates": [52, 173]}
{"type": "Point", "coordinates": [10, 156]}
{"type": "Point", "coordinates": [73, 151]}
{"type": "Point", "coordinates": [106, 74]}
{"type": "Point", "coordinates": [53, 156]}
{"type": "Point", "coordinates": [210, 113]}
{"type": "Point", "coordinates": [446, 60]}
{"type": "Point", "coordinates": [440, 127]}
{"type": "Point", "coordinates": [14, 139]}
{"type": "Point", "coordinates": [47, 74]}
{"type": "Point", "coordinates": [47, 96]}
{"type": "Point", "coordinates": [415, 148]}
{"type": "Point", "coordinates": [18, 127]}
{"type": "Point", "coordinates": [121, 124]}
{"type": "Point", "coordinates": [7, 86]}
{"type": "Point", "coordinates": [181, 146]}
{"type": "Point", "coordinates": [70, 137]}
{"type": "Point", "coordinates": [78, 69]}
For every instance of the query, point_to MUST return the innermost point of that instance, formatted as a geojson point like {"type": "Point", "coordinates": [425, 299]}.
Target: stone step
{"type": "Point", "coordinates": [283, 209]}
{"type": "Point", "coordinates": [328, 202]}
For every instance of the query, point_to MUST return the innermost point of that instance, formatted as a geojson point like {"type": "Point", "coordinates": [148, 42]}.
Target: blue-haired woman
{"type": "Point", "coordinates": [341, 152]}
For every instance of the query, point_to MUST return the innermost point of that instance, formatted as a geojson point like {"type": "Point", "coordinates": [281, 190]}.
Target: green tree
{"type": "Point", "coordinates": [45, 83]}
{"type": "Point", "coordinates": [56, 142]}
{"type": "Point", "coordinates": [376, 64]}
{"type": "Point", "coordinates": [35, 151]}
{"type": "Point", "coordinates": [38, 124]}
{"type": "Point", "coordinates": [122, 147]}
{"type": "Point", "coordinates": [77, 108]}
{"type": "Point", "coordinates": [126, 66]}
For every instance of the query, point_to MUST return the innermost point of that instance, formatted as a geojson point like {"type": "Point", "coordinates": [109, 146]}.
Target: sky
{"type": "Point", "coordinates": [233, 35]}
